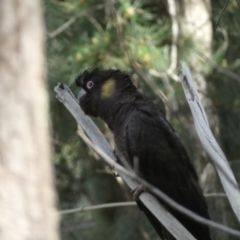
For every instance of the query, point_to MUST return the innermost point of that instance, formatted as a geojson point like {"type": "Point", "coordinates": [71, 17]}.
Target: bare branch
{"type": "Point", "coordinates": [73, 19]}
{"type": "Point", "coordinates": [209, 142]}
{"type": "Point", "coordinates": [63, 27]}
{"type": "Point", "coordinates": [96, 207]}
{"type": "Point", "coordinates": [102, 147]}
{"type": "Point", "coordinates": [132, 180]}
{"type": "Point", "coordinates": [215, 195]}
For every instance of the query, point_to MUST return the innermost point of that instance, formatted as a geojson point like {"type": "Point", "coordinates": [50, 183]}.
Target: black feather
{"type": "Point", "coordinates": [141, 130]}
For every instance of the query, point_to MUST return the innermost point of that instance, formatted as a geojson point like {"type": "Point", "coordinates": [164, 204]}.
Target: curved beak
{"type": "Point", "coordinates": [80, 94]}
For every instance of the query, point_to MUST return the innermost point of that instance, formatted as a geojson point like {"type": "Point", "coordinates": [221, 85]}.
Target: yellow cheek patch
{"type": "Point", "coordinates": [108, 88]}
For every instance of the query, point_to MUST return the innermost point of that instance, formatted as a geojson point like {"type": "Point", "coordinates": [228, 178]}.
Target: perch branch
{"type": "Point", "coordinates": [100, 144]}
{"type": "Point", "coordinates": [102, 147]}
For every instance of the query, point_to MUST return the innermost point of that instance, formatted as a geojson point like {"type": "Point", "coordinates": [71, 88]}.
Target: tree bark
{"type": "Point", "coordinates": [27, 196]}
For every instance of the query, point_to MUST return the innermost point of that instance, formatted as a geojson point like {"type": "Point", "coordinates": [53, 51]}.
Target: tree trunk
{"type": "Point", "coordinates": [27, 197]}
{"type": "Point", "coordinates": [195, 27]}
{"type": "Point", "coordinates": [194, 17]}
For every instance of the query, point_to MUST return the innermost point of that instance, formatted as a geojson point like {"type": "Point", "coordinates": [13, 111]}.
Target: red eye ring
{"type": "Point", "coordinates": [90, 84]}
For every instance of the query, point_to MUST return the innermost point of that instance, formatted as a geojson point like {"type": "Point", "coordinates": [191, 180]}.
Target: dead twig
{"type": "Point", "coordinates": [96, 207]}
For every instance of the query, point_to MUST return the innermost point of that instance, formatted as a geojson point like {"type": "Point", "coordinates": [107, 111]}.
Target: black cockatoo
{"type": "Point", "coordinates": [142, 132]}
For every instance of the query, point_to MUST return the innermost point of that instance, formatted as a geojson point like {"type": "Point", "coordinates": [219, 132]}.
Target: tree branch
{"type": "Point", "coordinates": [73, 19]}
{"type": "Point", "coordinates": [209, 142]}
{"type": "Point", "coordinates": [102, 147]}
{"type": "Point", "coordinates": [96, 207]}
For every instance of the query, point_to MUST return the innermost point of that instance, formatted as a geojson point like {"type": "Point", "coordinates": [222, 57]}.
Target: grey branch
{"type": "Point", "coordinates": [209, 142]}
{"type": "Point", "coordinates": [101, 146]}
{"type": "Point", "coordinates": [96, 207]}
{"type": "Point", "coordinates": [65, 96]}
